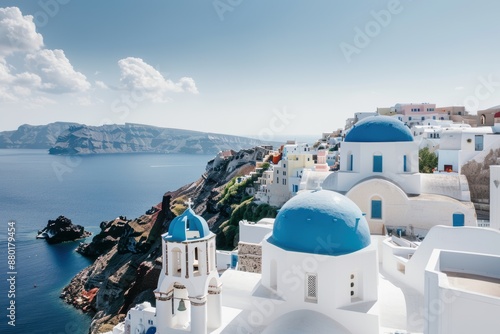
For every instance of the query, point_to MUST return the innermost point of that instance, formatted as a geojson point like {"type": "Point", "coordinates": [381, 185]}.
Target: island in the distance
{"type": "Point", "coordinates": [72, 138]}
{"type": "Point", "coordinates": [62, 230]}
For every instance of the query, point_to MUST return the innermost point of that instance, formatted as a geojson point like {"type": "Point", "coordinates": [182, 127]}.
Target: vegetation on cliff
{"type": "Point", "coordinates": [128, 252]}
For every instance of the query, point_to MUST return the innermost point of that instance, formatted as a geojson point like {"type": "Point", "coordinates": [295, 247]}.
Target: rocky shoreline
{"type": "Point", "coordinates": [62, 230]}
{"type": "Point", "coordinates": [127, 252]}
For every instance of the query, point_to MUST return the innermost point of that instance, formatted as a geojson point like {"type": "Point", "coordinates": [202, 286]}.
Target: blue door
{"type": "Point", "coordinates": [458, 219]}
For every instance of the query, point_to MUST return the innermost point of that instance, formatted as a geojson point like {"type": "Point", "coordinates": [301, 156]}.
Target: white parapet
{"type": "Point", "coordinates": [495, 197]}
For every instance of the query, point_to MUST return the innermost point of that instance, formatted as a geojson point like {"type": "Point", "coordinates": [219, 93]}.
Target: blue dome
{"type": "Point", "coordinates": [188, 226]}
{"type": "Point", "coordinates": [376, 129]}
{"type": "Point", "coordinates": [320, 222]}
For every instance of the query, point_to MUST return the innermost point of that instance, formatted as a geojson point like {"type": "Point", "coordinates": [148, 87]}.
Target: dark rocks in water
{"type": "Point", "coordinates": [61, 230]}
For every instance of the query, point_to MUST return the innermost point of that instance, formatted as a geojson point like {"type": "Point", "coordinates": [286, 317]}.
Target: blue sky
{"type": "Point", "coordinates": [269, 69]}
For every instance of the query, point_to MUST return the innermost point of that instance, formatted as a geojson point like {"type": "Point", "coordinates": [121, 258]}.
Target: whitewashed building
{"type": "Point", "coordinates": [379, 172]}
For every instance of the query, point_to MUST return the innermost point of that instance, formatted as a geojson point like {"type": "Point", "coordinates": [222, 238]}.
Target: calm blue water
{"type": "Point", "coordinates": [36, 187]}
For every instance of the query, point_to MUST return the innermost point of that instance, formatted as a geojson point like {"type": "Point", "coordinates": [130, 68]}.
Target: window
{"type": "Point", "coordinates": [197, 264]}
{"type": "Point", "coordinates": [377, 164]}
{"type": "Point", "coordinates": [350, 160]}
{"type": "Point", "coordinates": [483, 119]}
{"type": "Point", "coordinates": [458, 219]}
{"type": "Point", "coordinates": [409, 118]}
{"type": "Point", "coordinates": [376, 209]}
{"type": "Point", "coordinates": [284, 182]}
{"type": "Point", "coordinates": [311, 287]}
{"type": "Point", "coordinates": [354, 283]}
{"type": "Point", "coordinates": [176, 262]}
{"type": "Point", "coordinates": [405, 166]}
{"type": "Point", "coordinates": [479, 142]}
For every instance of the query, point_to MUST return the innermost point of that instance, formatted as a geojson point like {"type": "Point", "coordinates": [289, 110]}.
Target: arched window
{"type": "Point", "coordinates": [176, 262]}
{"type": "Point", "coordinates": [197, 261]}
{"type": "Point", "coordinates": [376, 208]}
{"type": "Point", "coordinates": [483, 119]}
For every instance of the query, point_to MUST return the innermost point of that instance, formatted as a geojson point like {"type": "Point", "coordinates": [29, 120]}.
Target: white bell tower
{"type": "Point", "coordinates": [188, 293]}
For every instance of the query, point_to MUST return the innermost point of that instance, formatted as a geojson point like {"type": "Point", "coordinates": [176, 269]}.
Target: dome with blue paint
{"type": "Point", "coordinates": [320, 222]}
{"type": "Point", "coordinates": [187, 226]}
{"type": "Point", "coordinates": [377, 129]}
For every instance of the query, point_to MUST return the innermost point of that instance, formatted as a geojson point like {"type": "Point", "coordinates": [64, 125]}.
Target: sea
{"type": "Point", "coordinates": [36, 187]}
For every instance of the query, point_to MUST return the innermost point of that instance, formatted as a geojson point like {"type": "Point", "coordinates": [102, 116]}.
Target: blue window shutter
{"type": "Point", "coordinates": [404, 164]}
{"type": "Point", "coordinates": [377, 163]}
{"type": "Point", "coordinates": [376, 209]}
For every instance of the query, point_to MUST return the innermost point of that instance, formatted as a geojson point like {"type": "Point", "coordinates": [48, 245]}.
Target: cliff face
{"type": "Point", "coordinates": [128, 252]}
{"type": "Point", "coordinates": [130, 138]}
{"type": "Point", "coordinates": [34, 137]}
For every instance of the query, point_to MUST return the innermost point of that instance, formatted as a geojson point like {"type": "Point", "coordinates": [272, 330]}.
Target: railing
{"type": "Point", "coordinates": [483, 223]}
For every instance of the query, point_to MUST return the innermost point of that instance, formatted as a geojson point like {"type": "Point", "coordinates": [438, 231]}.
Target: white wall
{"type": "Point", "coordinates": [333, 279]}
{"type": "Point", "coordinates": [458, 310]}
{"type": "Point", "coordinates": [253, 232]}
{"type": "Point", "coordinates": [464, 239]}
{"type": "Point", "coordinates": [424, 211]}
{"type": "Point", "coordinates": [141, 317]}
{"type": "Point", "coordinates": [495, 197]}
{"type": "Point", "coordinates": [392, 164]}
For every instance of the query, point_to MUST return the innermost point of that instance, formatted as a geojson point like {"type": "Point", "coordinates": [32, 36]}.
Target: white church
{"type": "Point", "coordinates": [379, 171]}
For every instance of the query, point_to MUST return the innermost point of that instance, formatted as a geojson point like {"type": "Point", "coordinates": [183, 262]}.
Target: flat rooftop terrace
{"type": "Point", "coordinates": [474, 283]}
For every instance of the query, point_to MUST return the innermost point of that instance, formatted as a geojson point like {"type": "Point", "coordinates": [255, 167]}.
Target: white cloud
{"type": "Point", "coordinates": [57, 73]}
{"type": "Point", "coordinates": [137, 75]}
{"type": "Point", "coordinates": [45, 70]}
{"type": "Point", "coordinates": [15, 86]}
{"type": "Point", "coordinates": [187, 84]}
{"type": "Point", "coordinates": [17, 32]}
{"type": "Point", "coordinates": [101, 84]}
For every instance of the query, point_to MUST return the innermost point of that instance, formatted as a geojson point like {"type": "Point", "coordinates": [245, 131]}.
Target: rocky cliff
{"type": "Point", "coordinates": [62, 230]}
{"type": "Point", "coordinates": [128, 252]}
{"type": "Point", "coordinates": [33, 136]}
{"type": "Point", "coordinates": [74, 138]}
{"type": "Point", "coordinates": [130, 138]}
